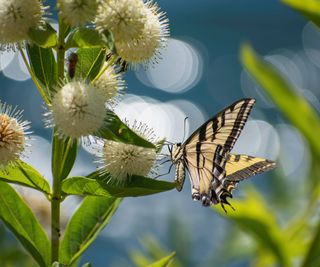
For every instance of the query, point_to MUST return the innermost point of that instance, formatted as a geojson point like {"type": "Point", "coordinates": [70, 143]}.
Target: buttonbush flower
{"type": "Point", "coordinates": [77, 12]}
{"type": "Point", "coordinates": [124, 160]}
{"type": "Point", "coordinates": [110, 83]}
{"type": "Point", "coordinates": [13, 134]}
{"type": "Point", "coordinates": [124, 18]}
{"type": "Point", "coordinates": [77, 110]}
{"type": "Point", "coordinates": [16, 18]}
{"type": "Point", "coordinates": [146, 46]}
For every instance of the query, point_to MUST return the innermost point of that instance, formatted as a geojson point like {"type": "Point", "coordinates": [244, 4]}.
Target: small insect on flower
{"type": "Point", "coordinates": [77, 110]}
{"type": "Point", "coordinates": [110, 83]}
{"type": "Point", "coordinates": [146, 47]}
{"type": "Point", "coordinates": [77, 12]}
{"type": "Point", "coordinates": [124, 160]}
{"type": "Point", "coordinates": [16, 18]}
{"type": "Point", "coordinates": [13, 134]}
{"type": "Point", "coordinates": [124, 18]}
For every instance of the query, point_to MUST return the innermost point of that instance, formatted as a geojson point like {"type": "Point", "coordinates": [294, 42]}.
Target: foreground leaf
{"type": "Point", "coordinates": [309, 8]}
{"type": "Point", "coordinates": [64, 153]}
{"type": "Point", "coordinates": [114, 129]}
{"type": "Point", "coordinates": [312, 258]}
{"type": "Point", "coordinates": [253, 217]}
{"type": "Point", "coordinates": [164, 261]}
{"type": "Point", "coordinates": [44, 66]}
{"type": "Point", "coordinates": [293, 106]}
{"type": "Point", "coordinates": [90, 61]}
{"type": "Point", "coordinates": [18, 217]}
{"type": "Point", "coordinates": [44, 36]}
{"type": "Point", "coordinates": [23, 174]}
{"type": "Point", "coordinates": [85, 225]}
{"type": "Point", "coordinates": [95, 185]}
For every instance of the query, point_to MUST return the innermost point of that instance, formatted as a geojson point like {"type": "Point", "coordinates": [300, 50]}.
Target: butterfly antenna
{"type": "Point", "coordinates": [184, 127]}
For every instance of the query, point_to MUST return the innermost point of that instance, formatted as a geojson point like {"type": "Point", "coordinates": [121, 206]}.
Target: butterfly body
{"type": "Point", "coordinates": [206, 155]}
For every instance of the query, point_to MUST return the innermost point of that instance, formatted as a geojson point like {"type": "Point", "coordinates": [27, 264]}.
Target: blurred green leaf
{"type": "Point", "coordinates": [57, 264]}
{"type": "Point", "coordinates": [139, 259]}
{"type": "Point", "coordinates": [85, 225]}
{"type": "Point", "coordinates": [43, 64]}
{"type": "Point", "coordinates": [64, 153]}
{"type": "Point", "coordinates": [90, 61]}
{"type": "Point", "coordinates": [89, 38]}
{"type": "Point", "coordinates": [312, 258]}
{"type": "Point", "coordinates": [293, 106]}
{"type": "Point", "coordinates": [19, 218]}
{"type": "Point", "coordinates": [44, 36]}
{"type": "Point", "coordinates": [164, 261]}
{"type": "Point", "coordinates": [88, 264]}
{"type": "Point", "coordinates": [23, 174]}
{"type": "Point", "coordinates": [97, 185]}
{"type": "Point", "coordinates": [114, 129]}
{"type": "Point", "coordinates": [253, 216]}
{"type": "Point", "coordinates": [309, 8]}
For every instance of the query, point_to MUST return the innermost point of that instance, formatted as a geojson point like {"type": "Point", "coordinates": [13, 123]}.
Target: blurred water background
{"type": "Point", "coordinates": [199, 75]}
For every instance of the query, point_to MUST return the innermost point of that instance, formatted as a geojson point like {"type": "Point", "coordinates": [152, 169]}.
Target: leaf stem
{"type": "Point", "coordinates": [56, 192]}
{"type": "Point", "coordinates": [33, 76]}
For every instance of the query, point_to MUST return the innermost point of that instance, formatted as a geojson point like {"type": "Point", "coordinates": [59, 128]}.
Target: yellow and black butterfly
{"type": "Point", "coordinates": [213, 170]}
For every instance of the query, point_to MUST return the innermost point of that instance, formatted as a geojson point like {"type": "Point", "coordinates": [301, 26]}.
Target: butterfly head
{"type": "Point", "coordinates": [176, 152]}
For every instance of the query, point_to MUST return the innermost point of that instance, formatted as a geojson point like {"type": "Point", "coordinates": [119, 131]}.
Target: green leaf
{"type": "Point", "coordinates": [44, 37]}
{"type": "Point", "coordinates": [291, 104]}
{"type": "Point", "coordinates": [252, 215]}
{"type": "Point", "coordinates": [89, 38]}
{"type": "Point", "coordinates": [164, 261]}
{"type": "Point", "coordinates": [114, 129]}
{"type": "Point", "coordinates": [312, 258]}
{"type": "Point", "coordinates": [57, 264]}
{"type": "Point", "coordinates": [64, 153]}
{"type": "Point", "coordinates": [97, 185]}
{"type": "Point", "coordinates": [85, 225]}
{"type": "Point", "coordinates": [19, 218]}
{"type": "Point", "coordinates": [43, 64]}
{"type": "Point", "coordinates": [23, 174]}
{"type": "Point", "coordinates": [309, 8]}
{"type": "Point", "coordinates": [90, 61]}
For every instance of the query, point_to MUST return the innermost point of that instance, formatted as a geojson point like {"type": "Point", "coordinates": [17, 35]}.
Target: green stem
{"type": "Point", "coordinates": [33, 76]}
{"type": "Point", "coordinates": [56, 193]}
{"type": "Point", "coordinates": [110, 62]}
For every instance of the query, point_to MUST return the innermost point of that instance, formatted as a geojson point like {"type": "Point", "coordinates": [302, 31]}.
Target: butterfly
{"type": "Point", "coordinates": [213, 170]}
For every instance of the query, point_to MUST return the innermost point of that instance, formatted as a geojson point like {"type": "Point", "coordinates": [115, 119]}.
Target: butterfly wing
{"type": "Point", "coordinates": [205, 151]}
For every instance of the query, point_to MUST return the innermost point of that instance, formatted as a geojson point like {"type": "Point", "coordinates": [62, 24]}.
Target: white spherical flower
{"type": "Point", "coordinates": [146, 46]}
{"type": "Point", "coordinates": [77, 12]}
{"type": "Point", "coordinates": [124, 18]}
{"type": "Point", "coordinates": [13, 134]}
{"type": "Point", "coordinates": [123, 160]}
{"type": "Point", "coordinates": [78, 109]}
{"type": "Point", "coordinates": [17, 17]}
{"type": "Point", "coordinates": [109, 83]}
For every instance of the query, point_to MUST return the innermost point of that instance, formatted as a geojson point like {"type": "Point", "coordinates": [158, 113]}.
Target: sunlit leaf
{"type": "Point", "coordinates": [309, 8]}
{"type": "Point", "coordinates": [114, 129]}
{"type": "Point", "coordinates": [253, 216]}
{"type": "Point", "coordinates": [90, 61]}
{"type": "Point", "coordinates": [64, 153]}
{"type": "Point", "coordinates": [44, 36]}
{"type": "Point", "coordinates": [43, 64]}
{"type": "Point", "coordinates": [19, 218]}
{"type": "Point", "coordinates": [85, 225]}
{"type": "Point", "coordinates": [89, 38]}
{"type": "Point", "coordinates": [293, 106]}
{"type": "Point", "coordinates": [23, 174]}
{"type": "Point", "coordinates": [96, 185]}
{"type": "Point", "coordinates": [312, 258]}
{"type": "Point", "coordinates": [164, 261]}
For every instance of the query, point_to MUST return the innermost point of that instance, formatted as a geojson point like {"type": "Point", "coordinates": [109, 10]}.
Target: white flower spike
{"type": "Point", "coordinates": [77, 12]}
{"type": "Point", "coordinates": [13, 134]}
{"type": "Point", "coordinates": [16, 18]}
{"type": "Point", "coordinates": [78, 110]}
{"type": "Point", "coordinates": [124, 18]}
{"type": "Point", "coordinates": [146, 47]}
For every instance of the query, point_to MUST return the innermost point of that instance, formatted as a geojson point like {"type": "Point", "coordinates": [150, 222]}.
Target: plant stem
{"type": "Point", "coordinates": [56, 192]}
